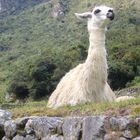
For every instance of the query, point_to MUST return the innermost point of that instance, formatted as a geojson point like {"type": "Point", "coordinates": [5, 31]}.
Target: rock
{"type": "Point", "coordinates": [18, 138]}
{"type": "Point", "coordinates": [4, 116]}
{"type": "Point", "coordinates": [21, 122]}
{"type": "Point", "coordinates": [10, 97]}
{"type": "Point", "coordinates": [137, 120]}
{"type": "Point", "coordinates": [29, 137]}
{"type": "Point", "coordinates": [127, 134]}
{"type": "Point", "coordinates": [137, 138]}
{"type": "Point", "coordinates": [122, 138]}
{"type": "Point", "coordinates": [58, 10]}
{"type": "Point", "coordinates": [10, 128]}
{"type": "Point", "coordinates": [2, 133]}
{"type": "Point", "coordinates": [93, 128]}
{"type": "Point", "coordinates": [5, 138]}
{"type": "Point", "coordinates": [114, 123]}
{"type": "Point", "coordinates": [111, 136]}
{"type": "Point", "coordinates": [123, 123]}
{"type": "Point", "coordinates": [53, 137]}
{"type": "Point", "coordinates": [107, 137]}
{"type": "Point", "coordinates": [43, 126]}
{"type": "Point", "coordinates": [72, 128]}
{"type": "Point", "coordinates": [129, 92]}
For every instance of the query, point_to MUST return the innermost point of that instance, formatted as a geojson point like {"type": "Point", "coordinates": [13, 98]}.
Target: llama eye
{"type": "Point", "coordinates": [97, 11]}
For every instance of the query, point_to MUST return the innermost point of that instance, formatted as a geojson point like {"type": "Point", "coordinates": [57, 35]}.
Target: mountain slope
{"type": "Point", "coordinates": [14, 6]}
{"type": "Point", "coordinates": [47, 38]}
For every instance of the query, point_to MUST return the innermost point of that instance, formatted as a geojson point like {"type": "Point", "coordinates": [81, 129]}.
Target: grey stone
{"type": "Point", "coordinates": [129, 91]}
{"type": "Point", "coordinates": [72, 128]}
{"type": "Point", "coordinates": [18, 138]}
{"type": "Point", "coordinates": [127, 134]}
{"type": "Point", "coordinates": [122, 138]}
{"type": "Point", "coordinates": [2, 133]}
{"type": "Point", "coordinates": [21, 122]}
{"type": "Point", "coordinates": [114, 123]}
{"type": "Point", "coordinates": [137, 138]}
{"type": "Point", "coordinates": [58, 11]}
{"type": "Point", "coordinates": [112, 136]}
{"type": "Point", "coordinates": [138, 123]}
{"type": "Point", "coordinates": [4, 116]}
{"type": "Point", "coordinates": [42, 126]}
{"type": "Point", "coordinates": [93, 128]}
{"type": "Point", "coordinates": [108, 137]}
{"type": "Point", "coordinates": [5, 138]}
{"type": "Point", "coordinates": [29, 137]}
{"type": "Point", "coordinates": [123, 123]}
{"type": "Point", "coordinates": [53, 137]}
{"type": "Point", "coordinates": [10, 128]}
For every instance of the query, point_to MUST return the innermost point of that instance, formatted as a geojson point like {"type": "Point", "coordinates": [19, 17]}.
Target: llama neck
{"type": "Point", "coordinates": [96, 58]}
{"type": "Point", "coordinates": [96, 40]}
{"type": "Point", "coordinates": [97, 45]}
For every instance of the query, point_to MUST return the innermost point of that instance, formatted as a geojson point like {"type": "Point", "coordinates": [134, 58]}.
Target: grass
{"type": "Point", "coordinates": [130, 107]}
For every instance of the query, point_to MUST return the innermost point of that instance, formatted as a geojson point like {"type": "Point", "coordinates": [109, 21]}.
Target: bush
{"type": "Point", "coordinates": [135, 82]}
{"type": "Point", "coordinates": [42, 81]}
{"type": "Point", "coordinates": [19, 86]}
{"type": "Point", "coordinates": [119, 75]}
{"type": "Point", "coordinates": [35, 82]}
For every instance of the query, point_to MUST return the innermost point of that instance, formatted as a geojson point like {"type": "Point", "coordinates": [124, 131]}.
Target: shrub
{"type": "Point", "coordinates": [41, 79]}
{"type": "Point", "coordinates": [19, 86]}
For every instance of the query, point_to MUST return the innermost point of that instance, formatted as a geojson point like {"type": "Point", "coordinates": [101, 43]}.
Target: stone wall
{"type": "Point", "coordinates": [69, 128]}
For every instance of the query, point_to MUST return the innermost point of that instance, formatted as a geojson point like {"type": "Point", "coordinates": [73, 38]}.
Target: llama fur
{"type": "Point", "coordinates": [124, 98]}
{"type": "Point", "coordinates": [88, 81]}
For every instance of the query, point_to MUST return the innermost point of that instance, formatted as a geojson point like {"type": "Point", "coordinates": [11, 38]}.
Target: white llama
{"type": "Point", "coordinates": [88, 81]}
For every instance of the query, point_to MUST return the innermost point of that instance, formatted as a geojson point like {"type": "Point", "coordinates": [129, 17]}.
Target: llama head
{"type": "Point", "coordinates": [98, 18]}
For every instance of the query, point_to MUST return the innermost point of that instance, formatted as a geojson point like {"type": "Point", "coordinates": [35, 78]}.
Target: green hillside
{"type": "Point", "coordinates": [37, 47]}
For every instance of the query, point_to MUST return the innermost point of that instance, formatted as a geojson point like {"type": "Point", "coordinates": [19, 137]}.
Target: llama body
{"type": "Point", "coordinates": [88, 81]}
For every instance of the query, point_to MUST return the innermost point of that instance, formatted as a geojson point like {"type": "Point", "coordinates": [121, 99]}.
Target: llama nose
{"type": "Point", "coordinates": [110, 15]}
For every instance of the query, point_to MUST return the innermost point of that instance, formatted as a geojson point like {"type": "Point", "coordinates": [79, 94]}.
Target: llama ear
{"type": "Point", "coordinates": [85, 15]}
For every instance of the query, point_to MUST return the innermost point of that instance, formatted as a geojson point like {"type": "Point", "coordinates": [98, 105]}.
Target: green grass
{"type": "Point", "coordinates": [130, 107]}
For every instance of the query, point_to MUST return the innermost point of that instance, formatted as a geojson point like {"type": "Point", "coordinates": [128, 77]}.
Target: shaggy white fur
{"type": "Point", "coordinates": [88, 81]}
{"type": "Point", "coordinates": [124, 98]}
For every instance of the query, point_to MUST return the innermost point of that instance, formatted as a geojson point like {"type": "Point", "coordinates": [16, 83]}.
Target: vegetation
{"type": "Point", "coordinates": [37, 49]}
{"type": "Point", "coordinates": [130, 107]}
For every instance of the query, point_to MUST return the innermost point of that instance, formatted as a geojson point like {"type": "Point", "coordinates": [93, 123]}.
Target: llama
{"type": "Point", "coordinates": [88, 81]}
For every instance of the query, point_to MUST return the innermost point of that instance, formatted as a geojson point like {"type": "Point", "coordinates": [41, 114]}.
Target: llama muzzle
{"type": "Point", "coordinates": [110, 14]}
